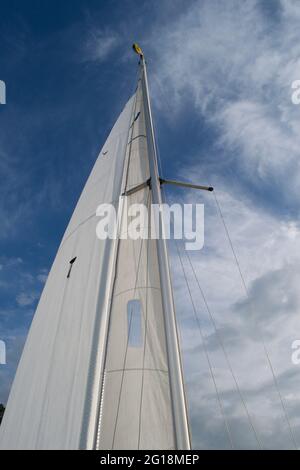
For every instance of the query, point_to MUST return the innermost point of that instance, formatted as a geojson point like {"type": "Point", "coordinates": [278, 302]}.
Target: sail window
{"type": "Point", "coordinates": [134, 323]}
{"type": "Point", "coordinates": [71, 266]}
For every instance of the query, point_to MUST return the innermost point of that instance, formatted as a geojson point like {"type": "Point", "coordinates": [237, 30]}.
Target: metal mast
{"type": "Point", "coordinates": [179, 405]}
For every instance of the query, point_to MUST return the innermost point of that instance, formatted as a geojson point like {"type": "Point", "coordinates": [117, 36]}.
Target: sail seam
{"type": "Point", "coordinates": [134, 289]}
{"type": "Point", "coordinates": [136, 369]}
{"type": "Point", "coordinates": [90, 217]}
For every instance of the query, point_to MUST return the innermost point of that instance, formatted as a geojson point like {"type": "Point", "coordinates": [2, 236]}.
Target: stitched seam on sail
{"type": "Point", "coordinates": [133, 288]}
{"type": "Point", "coordinates": [137, 370]}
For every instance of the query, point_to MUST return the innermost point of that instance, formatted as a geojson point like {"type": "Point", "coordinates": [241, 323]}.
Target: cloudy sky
{"type": "Point", "coordinates": [220, 76]}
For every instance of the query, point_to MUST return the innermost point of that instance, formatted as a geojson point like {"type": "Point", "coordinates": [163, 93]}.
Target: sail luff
{"type": "Point", "coordinates": [178, 396]}
{"type": "Point", "coordinates": [105, 328]}
{"type": "Point", "coordinates": [95, 414]}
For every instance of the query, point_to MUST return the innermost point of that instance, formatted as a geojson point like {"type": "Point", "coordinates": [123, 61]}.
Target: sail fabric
{"type": "Point", "coordinates": [49, 406]}
{"type": "Point", "coordinates": [135, 409]}
{"type": "Point", "coordinates": [95, 371]}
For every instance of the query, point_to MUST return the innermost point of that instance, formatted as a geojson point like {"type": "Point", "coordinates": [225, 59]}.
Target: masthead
{"type": "Point", "coordinates": [137, 49]}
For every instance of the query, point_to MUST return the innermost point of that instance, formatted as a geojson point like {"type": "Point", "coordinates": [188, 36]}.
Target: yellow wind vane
{"type": "Point", "coordinates": [137, 49]}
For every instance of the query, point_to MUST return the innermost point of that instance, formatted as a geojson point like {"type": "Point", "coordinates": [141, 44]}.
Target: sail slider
{"type": "Point", "coordinates": [137, 188]}
{"type": "Point", "coordinates": [186, 185]}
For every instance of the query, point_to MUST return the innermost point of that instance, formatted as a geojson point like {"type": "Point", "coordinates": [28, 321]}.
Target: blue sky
{"type": "Point", "coordinates": [220, 76]}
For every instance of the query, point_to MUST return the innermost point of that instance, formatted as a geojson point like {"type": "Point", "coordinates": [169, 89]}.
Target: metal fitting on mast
{"type": "Point", "coordinates": [137, 49]}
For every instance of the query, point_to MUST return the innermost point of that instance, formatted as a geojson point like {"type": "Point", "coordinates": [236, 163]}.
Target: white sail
{"type": "Point", "coordinates": [95, 371]}
{"type": "Point", "coordinates": [48, 403]}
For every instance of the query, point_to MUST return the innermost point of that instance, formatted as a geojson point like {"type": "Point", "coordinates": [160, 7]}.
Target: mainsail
{"type": "Point", "coordinates": [101, 366]}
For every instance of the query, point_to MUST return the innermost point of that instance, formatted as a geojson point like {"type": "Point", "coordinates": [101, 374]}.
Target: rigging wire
{"type": "Point", "coordinates": [160, 168]}
{"type": "Point", "coordinates": [203, 340]}
{"type": "Point", "coordinates": [247, 294]}
{"type": "Point", "coordinates": [276, 385]}
{"type": "Point", "coordinates": [230, 368]}
{"type": "Point", "coordinates": [212, 317]}
{"type": "Point", "coordinates": [219, 400]}
{"type": "Point", "coordinates": [221, 344]}
{"type": "Point", "coordinates": [178, 332]}
{"type": "Point", "coordinates": [157, 150]}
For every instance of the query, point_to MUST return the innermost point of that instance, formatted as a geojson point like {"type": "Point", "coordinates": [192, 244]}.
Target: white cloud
{"type": "Point", "coordinates": [26, 298]}
{"type": "Point", "coordinates": [235, 65]}
{"type": "Point", "coordinates": [14, 344]}
{"type": "Point", "coordinates": [237, 76]}
{"type": "Point", "coordinates": [42, 276]}
{"type": "Point", "coordinates": [99, 45]}
{"type": "Point", "coordinates": [10, 262]}
{"type": "Point", "coordinates": [268, 251]}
